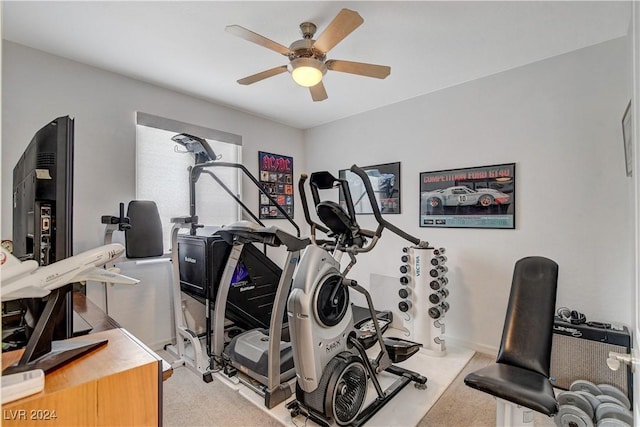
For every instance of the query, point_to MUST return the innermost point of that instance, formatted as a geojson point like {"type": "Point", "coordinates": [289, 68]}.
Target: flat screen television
{"type": "Point", "coordinates": [43, 206]}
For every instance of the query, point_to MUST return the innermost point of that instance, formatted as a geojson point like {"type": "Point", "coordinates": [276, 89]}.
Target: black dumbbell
{"type": "Point", "coordinates": [438, 271]}
{"type": "Point", "coordinates": [404, 306]}
{"type": "Point", "coordinates": [438, 296]}
{"type": "Point", "coordinates": [438, 283]}
{"type": "Point", "coordinates": [437, 311]}
{"type": "Point", "coordinates": [438, 260]}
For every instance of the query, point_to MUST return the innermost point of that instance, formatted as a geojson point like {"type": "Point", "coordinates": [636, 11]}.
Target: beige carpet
{"type": "Point", "coordinates": [189, 401]}
{"type": "Point", "coordinates": [462, 406]}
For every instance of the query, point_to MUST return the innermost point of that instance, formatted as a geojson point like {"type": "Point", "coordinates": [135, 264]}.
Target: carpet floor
{"type": "Point", "coordinates": [189, 401]}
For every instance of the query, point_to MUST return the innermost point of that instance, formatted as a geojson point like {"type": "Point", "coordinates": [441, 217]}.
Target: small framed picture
{"type": "Point", "coordinates": [385, 182]}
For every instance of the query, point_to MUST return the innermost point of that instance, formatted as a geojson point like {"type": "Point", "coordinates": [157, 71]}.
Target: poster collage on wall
{"type": "Point", "coordinates": [475, 197]}
{"type": "Point", "coordinates": [276, 177]}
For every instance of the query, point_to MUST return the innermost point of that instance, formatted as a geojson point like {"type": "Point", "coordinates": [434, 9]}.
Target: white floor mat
{"type": "Point", "coordinates": [407, 408]}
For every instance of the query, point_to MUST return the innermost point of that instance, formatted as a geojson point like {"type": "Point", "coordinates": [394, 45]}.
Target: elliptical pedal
{"type": "Point", "coordinates": [400, 349]}
{"type": "Point", "coordinates": [366, 331]}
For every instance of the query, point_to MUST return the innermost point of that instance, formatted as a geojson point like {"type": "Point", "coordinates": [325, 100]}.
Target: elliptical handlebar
{"type": "Point", "coordinates": [305, 206]}
{"type": "Point", "coordinates": [376, 211]}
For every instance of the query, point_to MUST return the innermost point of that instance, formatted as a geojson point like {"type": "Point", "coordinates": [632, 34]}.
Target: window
{"type": "Point", "coordinates": [162, 173]}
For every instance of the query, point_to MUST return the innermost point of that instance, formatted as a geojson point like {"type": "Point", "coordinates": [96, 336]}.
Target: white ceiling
{"type": "Point", "coordinates": [429, 45]}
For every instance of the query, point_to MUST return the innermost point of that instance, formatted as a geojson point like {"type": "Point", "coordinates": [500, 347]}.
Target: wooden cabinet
{"type": "Point", "coordinates": [118, 384]}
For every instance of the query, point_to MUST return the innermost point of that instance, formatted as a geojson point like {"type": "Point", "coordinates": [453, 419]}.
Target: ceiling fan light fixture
{"type": "Point", "coordinates": [307, 72]}
{"type": "Point", "coordinates": [307, 57]}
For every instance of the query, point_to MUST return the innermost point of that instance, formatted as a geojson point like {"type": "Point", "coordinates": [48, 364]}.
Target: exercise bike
{"type": "Point", "coordinates": [330, 352]}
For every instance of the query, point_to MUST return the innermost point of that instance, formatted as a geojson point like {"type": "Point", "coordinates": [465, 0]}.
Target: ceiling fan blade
{"type": "Point", "coordinates": [342, 25]}
{"type": "Point", "coordinates": [318, 92]}
{"type": "Point", "coordinates": [263, 75]}
{"type": "Point", "coordinates": [256, 38]}
{"type": "Point", "coordinates": [359, 68]}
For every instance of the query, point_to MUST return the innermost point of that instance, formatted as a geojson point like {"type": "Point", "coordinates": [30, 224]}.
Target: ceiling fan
{"type": "Point", "coordinates": [307, 56]}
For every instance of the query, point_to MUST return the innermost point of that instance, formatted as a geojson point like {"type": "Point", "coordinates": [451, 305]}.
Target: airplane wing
{"type": "Point", "coordinates": [12, 268]}
{"type": "Point", "coordinates": [102, 275]}
{"type": "Point", "coordinates": [27, 292]}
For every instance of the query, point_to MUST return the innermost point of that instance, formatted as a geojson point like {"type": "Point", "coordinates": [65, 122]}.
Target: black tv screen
{"type": "Point", "coordinates": [43, 204]}
{"type": "Point", "coordinates": [43, 195]}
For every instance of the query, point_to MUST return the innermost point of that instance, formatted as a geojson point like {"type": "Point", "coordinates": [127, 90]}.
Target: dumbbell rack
{"type": "Point", "coordinates": [423, 292]}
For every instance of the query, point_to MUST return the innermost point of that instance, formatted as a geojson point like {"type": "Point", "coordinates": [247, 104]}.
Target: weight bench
{"type": "Point", "coordinates": [519, 379]}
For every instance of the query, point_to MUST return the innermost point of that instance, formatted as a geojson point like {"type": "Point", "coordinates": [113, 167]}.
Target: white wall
{"type": "Point", "coordinates": [634, 36]}
{"type": "Point", "coordinates": [559, 121]}
{"type": "Point", "coordinates": [38, 87]}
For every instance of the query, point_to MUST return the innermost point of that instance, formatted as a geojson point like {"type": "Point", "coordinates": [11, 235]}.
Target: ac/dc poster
{"type": "Point", "coordinates": [276, 177]}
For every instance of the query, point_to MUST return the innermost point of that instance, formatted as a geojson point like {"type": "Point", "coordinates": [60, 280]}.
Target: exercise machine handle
{"type": "Point", "coordinates": [367, 233]}
{"type": "Point", "coordinates": [195, 172]}
{"type": "Point", "coordinates": [376, 211]}
{"type": "Point", "coordinates": [305, 205]}
{"type": "Point", "coordinates": [244, 207]}
{"type": "Point", "coordinates": [123, 222]}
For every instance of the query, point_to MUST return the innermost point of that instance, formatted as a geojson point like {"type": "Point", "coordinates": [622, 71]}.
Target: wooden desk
{"type": "Point", "coordinates": [118, 384]}
{"type": "Point", "coordinates": [100, 321]}
{"type": "Point", "coordinates": [90, 312]}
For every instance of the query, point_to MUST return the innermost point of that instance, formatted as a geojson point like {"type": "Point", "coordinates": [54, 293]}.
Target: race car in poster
{"type": "Point", "coordinates": [464, 196]}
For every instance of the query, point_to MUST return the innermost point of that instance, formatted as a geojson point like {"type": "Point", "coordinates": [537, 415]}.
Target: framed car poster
{"type": "Point", "coordinates": [478, 197]}
{"type": "Point", "coordinates": [385, 181]}
{"type": "Point", "coordinates": [276, 177]}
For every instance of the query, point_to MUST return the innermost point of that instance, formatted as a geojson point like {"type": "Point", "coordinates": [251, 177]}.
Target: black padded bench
{"type": "Point", "coordinates": [519, 378]}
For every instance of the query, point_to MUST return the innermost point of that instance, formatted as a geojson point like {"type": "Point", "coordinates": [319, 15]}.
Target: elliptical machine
{"type": "Point", "coordinates": [329, 351]}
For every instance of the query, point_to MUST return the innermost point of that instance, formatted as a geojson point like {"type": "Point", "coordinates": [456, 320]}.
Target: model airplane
{"type": "Point", "coordinates": [26, 280]}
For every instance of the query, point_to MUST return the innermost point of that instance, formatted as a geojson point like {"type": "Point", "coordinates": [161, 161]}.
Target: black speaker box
{"type": "Point", "coordinates": [580, 352]}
